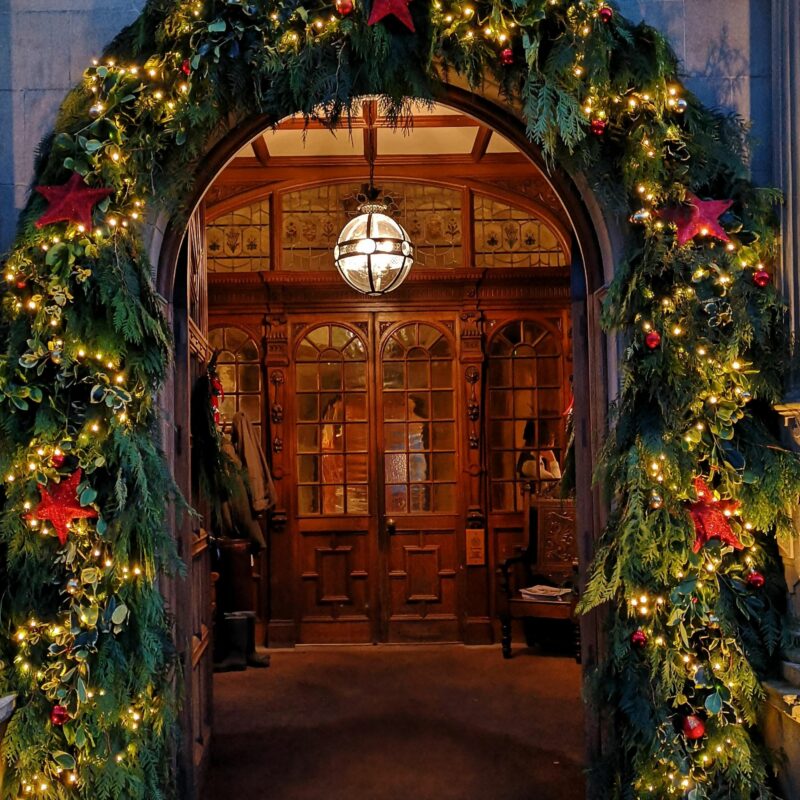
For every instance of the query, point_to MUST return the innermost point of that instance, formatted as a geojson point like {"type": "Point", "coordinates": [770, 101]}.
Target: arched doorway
{"type": "Point", "coordinates": [585, 279]}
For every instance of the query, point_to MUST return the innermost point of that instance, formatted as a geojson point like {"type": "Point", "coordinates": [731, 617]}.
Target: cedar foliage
{"type": "Point", "coordinates": [96, 641]}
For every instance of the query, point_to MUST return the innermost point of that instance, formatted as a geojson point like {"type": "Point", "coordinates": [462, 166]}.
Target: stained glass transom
{"type": "Point", "coordinates": [332, 427]}
{"type": "Point", "coordinates": [313, 218]}
{"type": "Point", "coordinates": [525, 416]}
{"type": "Point", "coordinates": [510, 237]}
{"type": "Point", "coordinates": [419, 428]}
{"type": "Point", "coordinates": [239, 241]}
{"type": "Point", "coordinates": [239, 369]}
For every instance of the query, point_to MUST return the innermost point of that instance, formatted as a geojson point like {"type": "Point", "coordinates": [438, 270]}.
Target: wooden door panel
{"type": "Point", "coordinates": [423, 567]}
{"type": "Point", "coordinates": [335, 578]}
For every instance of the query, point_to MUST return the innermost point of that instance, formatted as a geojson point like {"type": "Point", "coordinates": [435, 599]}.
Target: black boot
{"type": "Point", "coordinates": [254, 659]}
{"type": "Point", "coordinates": [235, 627]}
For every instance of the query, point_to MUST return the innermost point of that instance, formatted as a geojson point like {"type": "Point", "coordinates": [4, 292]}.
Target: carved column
{"type": "Point", "coordinates": [281, 629]}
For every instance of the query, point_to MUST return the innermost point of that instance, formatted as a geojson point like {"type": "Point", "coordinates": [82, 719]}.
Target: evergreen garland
{"type": "Point", "coordinates": [84, 639]}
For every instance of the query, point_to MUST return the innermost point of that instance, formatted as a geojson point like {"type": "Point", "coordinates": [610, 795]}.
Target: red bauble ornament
{"type": "Point", "coordinates": [761, 278]}
{"type": "Point", "coordinates": [755, 579]}
{"type": "Point", "coordinates": [57, 460]}
{"type": "Point", "coordinates": [72, 202]}
{"type": "Point", "coordinates": [59, 505]}
{"type": "Point", "coordinates": [598, 126]}
{"type": "Point", "coordinates": [710, 520]}
{"type": "Point", "coordinates": [653, 339]}
{"type": "Point", "coordinates": [345, 7]}
{"type": "Point", "coordinates": [21, 284]}
{"type": "Point", "coordinates": [693, 727]}
{"type": "Point", "coordinates": [639, 638]}
{"type": "Point", "coordinates": [395, 8]}
{"type": "Point", "coordinates": [59, 715]}
{"type": "Point", "coordinates": [186, 67]}
{"type": "Point", "coordinates": [507, 56]}
{"type": "Point", "coordinates": [698, 217]}
{"type": "Point", "coordinates": [605, 13]}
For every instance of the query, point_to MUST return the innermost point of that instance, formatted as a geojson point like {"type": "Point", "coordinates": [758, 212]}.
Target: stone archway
{"type": "Point", "coordinates": [589, 268]}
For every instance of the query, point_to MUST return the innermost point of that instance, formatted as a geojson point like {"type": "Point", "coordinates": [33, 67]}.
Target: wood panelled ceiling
{"type": "Point", "coordinates": [434, 143]}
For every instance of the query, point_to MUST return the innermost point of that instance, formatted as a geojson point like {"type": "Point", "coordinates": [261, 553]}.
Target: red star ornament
{"type": "Point", "coordinates": [59, 505]}
{"type": "Point", "coordinates": [708, 515]}
{"type": "Point", "coordinates": [698, 217]}
{"type": "Point", "coordinates": [72, 202]}
{"type": "Point", "coordinates": [395, 8]}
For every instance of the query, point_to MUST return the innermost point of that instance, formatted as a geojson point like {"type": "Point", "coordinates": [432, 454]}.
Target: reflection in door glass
{"type": "Point", "coordinates": [332, 464]}
{"type": "Point", "coordinates": [525, 420]}
{"type": "Point", "coordinates": [418, 422]}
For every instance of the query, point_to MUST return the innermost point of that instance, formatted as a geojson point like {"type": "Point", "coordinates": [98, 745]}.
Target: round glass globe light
{"type": "Point", "coordinates": [373, 253]}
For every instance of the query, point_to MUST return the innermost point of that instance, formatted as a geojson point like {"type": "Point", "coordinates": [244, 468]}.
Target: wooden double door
{"type": "Point", "coordinates": [377, 512]}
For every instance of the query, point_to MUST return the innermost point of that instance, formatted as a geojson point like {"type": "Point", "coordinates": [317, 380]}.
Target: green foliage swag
{"type": "Point", "coordinates": [85, 349]}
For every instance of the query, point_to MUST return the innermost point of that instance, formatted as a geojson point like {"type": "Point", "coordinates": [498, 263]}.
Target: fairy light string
{"type": "Point", "coordinates": [689, 313]}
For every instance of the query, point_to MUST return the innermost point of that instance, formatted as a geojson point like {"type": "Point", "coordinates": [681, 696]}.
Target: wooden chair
{"type": "Point", "coordinates": [550, 557]}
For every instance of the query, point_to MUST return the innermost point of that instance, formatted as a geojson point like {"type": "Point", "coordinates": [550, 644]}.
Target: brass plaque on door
{"type": "Point", "coordinates": [476, 547]}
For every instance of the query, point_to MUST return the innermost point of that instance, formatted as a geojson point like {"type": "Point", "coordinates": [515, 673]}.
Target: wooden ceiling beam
{"type": "Point", "coordinates": [430, 121]}
{"type": "Point", "coordinates": [499, 166]}
{"type": "Point", "coordinates": [261, 150]}
{"type": "Point", "coordinates": [482, 139]}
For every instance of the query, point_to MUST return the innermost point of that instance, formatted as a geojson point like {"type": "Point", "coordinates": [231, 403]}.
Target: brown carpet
{"type": "Point", "coordinates": [424, 722]}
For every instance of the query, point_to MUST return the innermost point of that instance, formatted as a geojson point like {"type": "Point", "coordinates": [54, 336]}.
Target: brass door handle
{"type": "Point", "coordinates": [390, 525]}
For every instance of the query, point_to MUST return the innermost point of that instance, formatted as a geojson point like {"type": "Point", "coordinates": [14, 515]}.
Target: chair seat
{"type": "Point", "coordinates": [520, 607]}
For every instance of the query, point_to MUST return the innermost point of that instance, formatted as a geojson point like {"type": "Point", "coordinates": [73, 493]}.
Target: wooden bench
{"type": "Point", "coordinates": [549, 557]}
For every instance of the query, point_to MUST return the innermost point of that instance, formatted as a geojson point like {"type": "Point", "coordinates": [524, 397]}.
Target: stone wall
{"type": "Point", "coordinates": [44, 47]}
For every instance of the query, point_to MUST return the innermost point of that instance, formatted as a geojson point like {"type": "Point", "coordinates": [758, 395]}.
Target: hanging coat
{"type": "Point", "coordinates": [237, 520]}
{"type": "Point", "coordinates": [248, 448]}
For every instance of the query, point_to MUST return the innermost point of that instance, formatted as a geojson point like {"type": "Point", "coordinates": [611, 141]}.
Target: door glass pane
{"type": "Point", "coordinates": [249, 377]}
{"type": "Point", "coordinates": [525, 427]}
{"type": "Point", "coordinates": [307, 438]}
{"type": "Point", "coordinates": [355, 406]}
{"type": "Point", "coordinates": [444, 436]}
{"type": "Point", "coordinates": [357, 500]}
{"type": "Point", "coordinates": [328, 359]}
{"type": "Point", "coordinates": [307, 378]}
{"type": "Point", "coordinates": [444, 498]}
{"type": "Point", "coordinates": [396, 498]}
{"type": "Point", "coordinates": [394, 436]}
{"type": "Point", "coordinates": [418, 411]}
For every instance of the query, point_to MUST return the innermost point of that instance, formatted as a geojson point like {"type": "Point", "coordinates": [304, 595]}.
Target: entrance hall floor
{"type": "Point", "coordinates": [424, 722]}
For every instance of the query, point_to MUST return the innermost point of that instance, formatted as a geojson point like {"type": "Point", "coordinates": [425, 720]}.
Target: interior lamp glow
{"type": "Point", "coordinates": [373, 254]}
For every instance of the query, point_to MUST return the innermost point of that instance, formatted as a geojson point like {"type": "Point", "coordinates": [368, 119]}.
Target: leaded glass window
{"type": "Point", "coordinates": [313, 218]}
{"type": "Point", "coordinates": [506, 236]}
{"type": "Point", "coordinates": [239, 369]}
{"type": "Point", "coordinates": [332, 427]}
{"type": "Point", "coordinates": [419, 428]}
{"type": "Point", "coordinates": [239, 241]}
{"type": "Point", "coordinates": [525, 415]}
